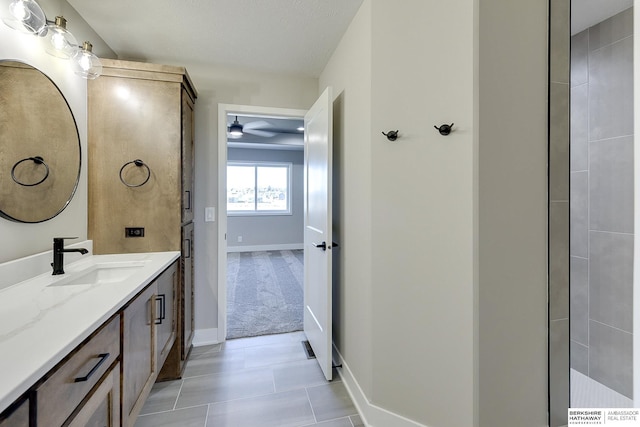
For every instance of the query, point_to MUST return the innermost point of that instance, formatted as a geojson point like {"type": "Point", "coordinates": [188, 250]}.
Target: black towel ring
{"type": "Point", "coordinates": [38, 161]}
{"type": "Point", "coordinates": [138, 163]}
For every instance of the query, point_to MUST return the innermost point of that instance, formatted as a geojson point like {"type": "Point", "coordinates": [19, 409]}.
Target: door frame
{"type": "Point", "coordinates": [223, 111]}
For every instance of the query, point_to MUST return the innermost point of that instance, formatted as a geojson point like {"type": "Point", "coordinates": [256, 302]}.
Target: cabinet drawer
{"type": "Point", "coordinates": [72, 381]}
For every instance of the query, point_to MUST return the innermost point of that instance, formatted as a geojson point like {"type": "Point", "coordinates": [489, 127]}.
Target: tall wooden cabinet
{"type": "Point", "coordinates": [141, 172]}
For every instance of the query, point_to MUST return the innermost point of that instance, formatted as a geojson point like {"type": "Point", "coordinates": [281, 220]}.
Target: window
{"type": "Point", "coordinates": [255, 188]}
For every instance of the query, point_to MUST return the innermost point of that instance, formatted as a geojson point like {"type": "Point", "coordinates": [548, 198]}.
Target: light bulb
{"type": "Point", "coordinates": [62, 44]}
{"type": "Point", "coordinates": [58, 41]}
{"type": "Point", "coordinates": [85, 63]}
{"type": "Point", "coordinates": [18, 10]}
{"type": "Point", "coordinates": [26, 16]}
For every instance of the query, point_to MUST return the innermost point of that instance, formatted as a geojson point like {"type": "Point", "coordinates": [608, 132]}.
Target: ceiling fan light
{"type": "Point", "coordinates": [236, 128]}
{"type": "Point", "coordinates": [61, 44]}
{"type": "Point", "coordinates": [25, 16]}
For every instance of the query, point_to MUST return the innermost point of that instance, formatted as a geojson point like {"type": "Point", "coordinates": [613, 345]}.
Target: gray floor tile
{"type": "Point", "coordinates": [189, 417]}
{"type": "Point", "coordinates": [331, 401]}
{"type": "Point", "coordinates": [357, 421]}
{"type": "Point", "coordinates": [274, 354]}
{"type": "Point", "coordinates": [215, 363]}
{"type": "Point", "coordinates": [163, 397]}
{"type": "Point", "coordinates": [288, 409]}
{"type": "Point", "coordinates": [226, 386]}
{"type": "Point", "coordinates": [340, 422]}
{"type": "Point", "coordinates": [264, 340]}
{"type": "Point", "coordinates": [297, 375]}
{"type": "Point", "coordinates": [205, 349]}
{"type": "Point", "coordinates": [220, 388]}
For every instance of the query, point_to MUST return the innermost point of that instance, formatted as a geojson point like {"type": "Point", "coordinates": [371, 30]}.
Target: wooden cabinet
{"type": "Point", "coordinates": [105, 381]}
{"type": "Point", "coordinates": [140, 150]}
{"type": "Point", "coordinates": [138, 353]}
{"type": "Point", "coordinates": [141, 173]}
{"type": "Point", "coordinates": [148, 333]}
{"type": "Point", "coordinates": [166, 313]}
{"type": "Point", "coordinates": [187, 294]}
{"type": "Point", "coordinates": [102, 407]}
{"type": "Point", "coordinates": [187, 156]}
{"type": "Point", "coordinates": [60, 397]}
{"type": "Point", "coordinates": [16, 416]}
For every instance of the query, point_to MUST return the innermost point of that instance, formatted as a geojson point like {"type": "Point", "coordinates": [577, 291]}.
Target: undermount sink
{"type": "Point", "coordinates": [113, 272]}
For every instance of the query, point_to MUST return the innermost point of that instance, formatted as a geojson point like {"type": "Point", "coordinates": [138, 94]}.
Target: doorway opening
{"type": "Point", "coordinates": [261, 215]}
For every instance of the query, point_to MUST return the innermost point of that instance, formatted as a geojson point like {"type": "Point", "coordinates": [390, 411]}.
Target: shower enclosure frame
{"type": "Point", "coordinates": [558, 209]}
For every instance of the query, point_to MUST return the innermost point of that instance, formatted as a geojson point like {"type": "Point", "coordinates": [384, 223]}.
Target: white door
{"type": "Point", "coordinates": [317, 229]}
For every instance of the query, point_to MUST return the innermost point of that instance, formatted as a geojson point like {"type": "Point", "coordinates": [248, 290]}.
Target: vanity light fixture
{"type": "Point", "coordinates": [28, 17]}
{"type": "Point", "coordinates": [61, 44]}
{"type": "Point", "coordinates": [25, 16]}
{"type": "Point", "coordinates": [85, 63]}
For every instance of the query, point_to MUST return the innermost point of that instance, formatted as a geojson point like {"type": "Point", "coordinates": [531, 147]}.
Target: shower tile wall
{"type": "Point", "coordinates": [601, 202]}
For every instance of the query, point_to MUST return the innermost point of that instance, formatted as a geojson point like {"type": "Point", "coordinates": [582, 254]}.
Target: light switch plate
{"type": "Point", "coordinates": [209, 214]}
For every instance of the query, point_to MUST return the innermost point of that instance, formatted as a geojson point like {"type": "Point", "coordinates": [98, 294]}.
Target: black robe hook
{"type": "Point", "coordinates": [392, 135]}
{"type": "Point", "coordinates": [444, 129]}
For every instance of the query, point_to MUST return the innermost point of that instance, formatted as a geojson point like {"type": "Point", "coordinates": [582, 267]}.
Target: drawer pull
{"type": "Point", "coordinates": [161, 299]}
{"type": "Point", "coordinates": [188, 246]}
{"type": "Point", "coordinates": [102, 357]}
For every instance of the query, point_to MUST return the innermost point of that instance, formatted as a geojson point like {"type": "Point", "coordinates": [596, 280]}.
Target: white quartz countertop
{"type": "Point", "coordinates": [44, 318]}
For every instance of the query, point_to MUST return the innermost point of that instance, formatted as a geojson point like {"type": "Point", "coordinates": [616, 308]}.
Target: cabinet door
{"type": "Point", "coordinates": [130, 119]}
{"type": "Point", "coordinates": [187, 299]}
{"type": "Point", "coordinates": [102, 409]}
{"type": "Point", "coordinates": [166, 312]}
{"type": "Point", "coordinates": [18, 417]}
{"type": "Point", "coordinates": [187, 157]}
{"type": "Point", "coordinates": [138, 353]}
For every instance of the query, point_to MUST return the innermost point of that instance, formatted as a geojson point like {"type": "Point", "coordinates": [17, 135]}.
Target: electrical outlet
{"type": "Point", "coordinates": [134, 232]}
{"type": "Point", "coordinates": [239, 239]}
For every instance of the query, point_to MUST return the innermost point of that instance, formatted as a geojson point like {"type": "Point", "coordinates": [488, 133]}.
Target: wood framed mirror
{"type": "Point", "coordinates": [40, 153]}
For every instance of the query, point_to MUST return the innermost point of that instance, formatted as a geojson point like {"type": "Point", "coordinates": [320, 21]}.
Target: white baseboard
{"type": "Point", "coordinates": [372, 415]}
{"type": "Point", "coordinates": [258, 248]}
{"type": "Point", "coordinates": [205, 337]}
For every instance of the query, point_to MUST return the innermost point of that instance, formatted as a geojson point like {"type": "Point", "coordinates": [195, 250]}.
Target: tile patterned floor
{"type": "Point", "coordinates": [251, 382]}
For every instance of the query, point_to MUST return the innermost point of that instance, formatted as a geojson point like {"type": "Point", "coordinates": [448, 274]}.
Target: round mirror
{"type": "Point", "coordinates": [39, 146]}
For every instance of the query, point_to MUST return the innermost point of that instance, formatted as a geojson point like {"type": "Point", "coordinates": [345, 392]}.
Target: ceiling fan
{"type": "Point", "coordinates": [255, 128]}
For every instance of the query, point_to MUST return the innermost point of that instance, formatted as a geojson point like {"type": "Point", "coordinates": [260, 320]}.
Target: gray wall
{"type": "Point", "coordinates": [274, 229]}
{"type": "Point", "coordinates": [443, 296]}
{"type": "Point", "coordinates": [602, 202]}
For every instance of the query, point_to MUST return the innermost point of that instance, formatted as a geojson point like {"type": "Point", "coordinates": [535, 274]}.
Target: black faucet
{"type": "Point", "coordinates": [58, 254]}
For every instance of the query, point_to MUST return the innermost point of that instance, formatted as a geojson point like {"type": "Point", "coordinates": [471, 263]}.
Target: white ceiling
{"type": "Point", "coordinates": [586, 13]}
{"type": "Point", "coordinates": [287, 36]}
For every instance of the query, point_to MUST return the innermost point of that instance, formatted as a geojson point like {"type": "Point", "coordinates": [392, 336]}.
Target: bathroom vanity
{"type": "Point", "coordinates": [86, 347]}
